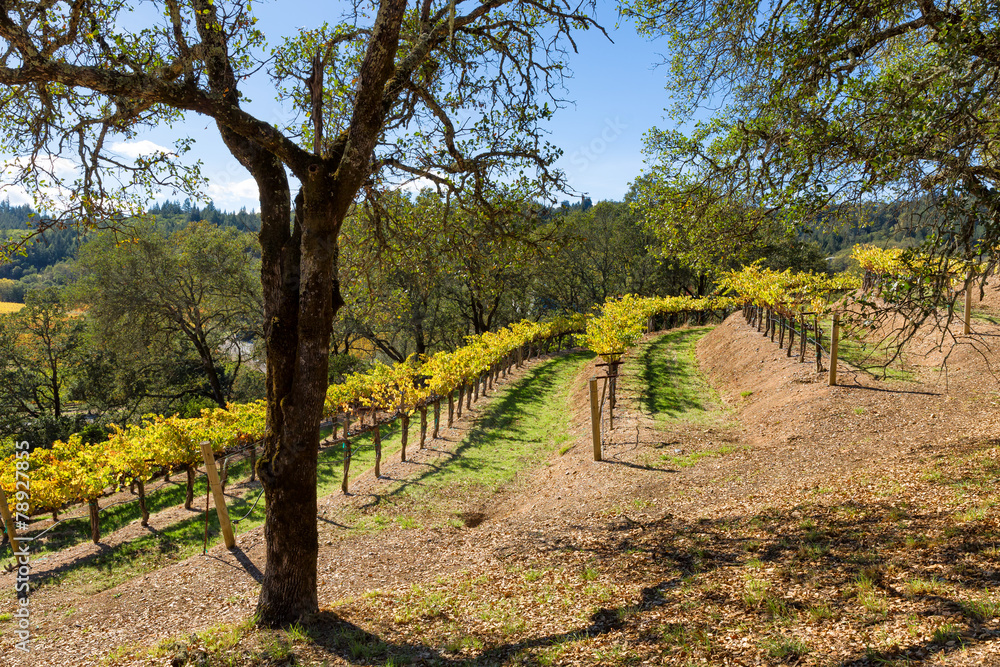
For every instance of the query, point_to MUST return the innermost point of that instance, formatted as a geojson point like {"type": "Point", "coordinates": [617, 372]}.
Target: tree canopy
{"type": "Point", "coordinates": [824, 104]}
{"type": "Point", "coordinates": [450, 92]}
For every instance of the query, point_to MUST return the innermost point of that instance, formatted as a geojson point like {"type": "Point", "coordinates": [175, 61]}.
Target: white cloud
{"type": "Point", "coordinates": [15, 195]}
{"type": "Point", "coordinates": [230, 195]}
{"type": "Point", "coordinates": [134, 149]}
{"type": "Point", "coordinates": [54, 170]}
{"type": "Point", "coordinates": [417, 184]}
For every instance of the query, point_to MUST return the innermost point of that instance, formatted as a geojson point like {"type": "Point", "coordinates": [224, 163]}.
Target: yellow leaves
{"type": "Point", "coordinates": [75, 471]}
{"type": "Point", "coordinates": [880, 261]}
{"type": "Point", "coordinates": [786, 291]}
{"type": "Point", "coordinates": [623, 320]}
{"type": "Point", "coordinates": [394, 388]}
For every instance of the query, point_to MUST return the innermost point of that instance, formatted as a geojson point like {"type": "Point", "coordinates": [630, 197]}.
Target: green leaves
{"type": "Point", "coordinates": [823, 104]}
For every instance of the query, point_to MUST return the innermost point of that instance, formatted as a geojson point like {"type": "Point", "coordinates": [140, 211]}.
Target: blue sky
{"type": "Point", "coordinates": [617, 92]}
{"type": "Point", "coordinates": [618, 96]}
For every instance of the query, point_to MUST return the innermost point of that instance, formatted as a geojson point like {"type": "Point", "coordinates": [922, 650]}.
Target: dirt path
{"type": "Point", "coordinates": [783, 444]}
{"type": "Point", "coordinates": [73, 628]}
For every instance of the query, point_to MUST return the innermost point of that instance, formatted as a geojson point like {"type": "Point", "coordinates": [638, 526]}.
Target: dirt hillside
{"type": "Point", "coordinates": [744, 538]}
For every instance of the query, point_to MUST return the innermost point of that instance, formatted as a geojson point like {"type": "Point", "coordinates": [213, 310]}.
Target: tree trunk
{"type": "Point", "coordinates": [189, 497]}
{"type": "Point", "coordinates": [475, 389]}
{"type": "Point", "coordinates": [95, 526]}
{"type": "Point", "coordinates": [461, 397]}
{"type": "Point", "coordinates": [468, 398]}
{"type": "Point", "coordinates": [301, 294]}
{"type": "Point", "coordinates": [451, 408]}
{"type": "Point", "coordinates": [423, 426]}
{"type": "Point", "coordinates": [377, 441]}
{"type": "Point", "coordinates": [142, 501]}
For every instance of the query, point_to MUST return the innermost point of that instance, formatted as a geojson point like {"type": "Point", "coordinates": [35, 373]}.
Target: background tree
{"type": "Point", "coordinates": [600, 251]}
{"type": "Point", "coordinates": [826, 107]}
{"type": "Point", "coordinates": [151, 294]}
{"type": "Point", "coordinates": [39, 358]}
{"type": "Point", "coordinates": [446, 91]}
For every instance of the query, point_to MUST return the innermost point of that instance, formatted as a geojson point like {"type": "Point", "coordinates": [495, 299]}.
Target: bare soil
{"type": "Point", "coordinates": [809, 524]}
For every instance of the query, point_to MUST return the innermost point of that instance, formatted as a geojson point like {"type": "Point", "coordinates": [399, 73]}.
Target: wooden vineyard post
{"type": "Point", "coordinates": [347, 453]}
{"type": "Point", "coordinates": [423, 425]}
{"type": "Point", "coordinates": [377, 441]}
{"type": "Point", "coordinates": [595, 419]}
{"type": "Point", "coordinates": [95, 521]}
{"type": "Point", "coordinates": [405, 419]}
{"type": "Point", "coordinates": [613, 368]}
{"type": "Point", "coordinates": [220, 500]}
{"type": "Point", "coordinates": [8, 522]}
{"type": "Point", "coordinates": [791, 335]}
{"type": "Point", "coordinates": [834, 346]}
{"type": "Point", "coordinates": [968, 306]}
{"type": "Point", "coordinates": [819, 345]}
{"type": "Point", "coordinates": [802, 340]}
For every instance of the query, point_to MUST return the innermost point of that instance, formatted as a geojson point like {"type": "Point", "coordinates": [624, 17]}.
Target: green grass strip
{"type": "Point", "coordinates": [669, 383]}
{"type": "Point", "coordinates": [519, 428]}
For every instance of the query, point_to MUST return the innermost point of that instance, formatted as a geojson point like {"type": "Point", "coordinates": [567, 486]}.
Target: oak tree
{"type": "Point", "coordinates": [194, 289]}
{"type": "Point", "coordinates": [448, 91]}
{"type": "Point", "coordinates": [825, 106]}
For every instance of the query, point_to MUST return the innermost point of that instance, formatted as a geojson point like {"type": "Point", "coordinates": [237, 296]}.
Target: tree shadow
{"type": "Point", "coordinates": [500, 420]}
{"type": "Point", "coordinates": [670, 384]}
{"type": "Point", "coordinates": [243, 560]}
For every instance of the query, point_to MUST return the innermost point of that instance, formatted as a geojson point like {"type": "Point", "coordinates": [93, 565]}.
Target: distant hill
{"type": "Point", "coordinates": [49, 257]}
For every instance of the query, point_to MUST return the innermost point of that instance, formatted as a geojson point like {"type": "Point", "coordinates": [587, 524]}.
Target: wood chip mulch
{"type": "Point", "coordinates": [849, 525]}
